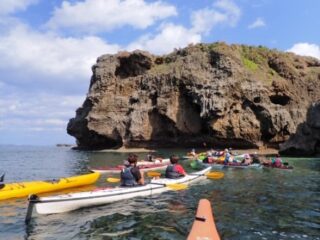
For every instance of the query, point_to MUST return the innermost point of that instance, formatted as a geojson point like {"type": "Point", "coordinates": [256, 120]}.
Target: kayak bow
{"type": "Point", "coordinates": [203, 226]}
{"type": "Point", "coordinates": [23, 189]}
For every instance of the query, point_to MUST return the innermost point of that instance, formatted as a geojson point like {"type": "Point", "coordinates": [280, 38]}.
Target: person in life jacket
{"type": "Point", "coordinates": [174, 170]}
{"type": "Point", "coordinates": [277, 161]}
{"type": "Point", "coordinates": [227, 156]}
{"type": "Point", "coordinates": [131, 174]}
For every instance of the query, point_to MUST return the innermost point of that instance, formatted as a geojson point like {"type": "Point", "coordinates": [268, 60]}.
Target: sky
{"type": "Point", "coordinates": [47, 48]}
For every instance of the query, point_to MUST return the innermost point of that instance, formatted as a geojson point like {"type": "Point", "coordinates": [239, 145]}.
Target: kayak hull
{"type": "Point", "coordinates": [203, 226]}
{"type": "Point", "coordinates": [69, 202]}
{"type": "Point", "coordinates": [23, 189]}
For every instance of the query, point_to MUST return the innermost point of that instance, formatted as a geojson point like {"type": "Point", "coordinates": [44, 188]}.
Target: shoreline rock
{"type": "Point", "coordinates": [306, 141]}
{"type": "Point", "coordinates": [224, 95]}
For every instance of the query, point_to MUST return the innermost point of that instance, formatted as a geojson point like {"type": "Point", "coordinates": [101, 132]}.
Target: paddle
{"type": "Point", "coordinates": [153, 174]}
{"type": "Point", "coordinates": [210, 175]}
{"type": "Point", "coordinates": [113, 180]}
{"type": "Point", "coordinates": [214, 175]}
{"type": "Point", "coordinates": [172, 186]}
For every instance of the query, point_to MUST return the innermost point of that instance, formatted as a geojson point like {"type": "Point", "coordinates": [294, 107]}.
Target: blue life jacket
{"type": "Point", "coordinates": [227, 157]}
{"type": "Point", "coordinates": [171, 172]}
{"type": "Point", "coordinates": [127, 178]}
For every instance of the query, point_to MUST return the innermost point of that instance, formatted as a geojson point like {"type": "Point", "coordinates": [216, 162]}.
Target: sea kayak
{"type": "Point", "coordinates": [203, 226]}
{"type": "Point", "coordinates": [243, 166]}
{"type": "Point", "coordinates": [22, 189]}
{"type": "Point", "coordinates": [117, 169]}
{"type": "Point", "coordinates": [73, 201]}
{"type": "Point", "coordinates": [283, 167]}
{"type": "Point", "coordinates": [229, 165]}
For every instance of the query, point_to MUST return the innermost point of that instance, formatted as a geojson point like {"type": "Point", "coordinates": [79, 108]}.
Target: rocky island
{"type": "Point", "coordinates": [222, 95]}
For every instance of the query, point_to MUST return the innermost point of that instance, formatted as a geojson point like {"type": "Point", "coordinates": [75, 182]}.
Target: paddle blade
{"type": "Point", "coordinates": [153, 174]}
{"type": "Point", "coordinates": [113, 180]}
{"type": "Point", "coordinates": [215, 175]}
{"type": "Point", "coordinates": [177, 186]}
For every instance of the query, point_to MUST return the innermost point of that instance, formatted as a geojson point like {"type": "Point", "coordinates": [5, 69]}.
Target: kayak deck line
{"type": "Point", "coordinates": [93, 197]}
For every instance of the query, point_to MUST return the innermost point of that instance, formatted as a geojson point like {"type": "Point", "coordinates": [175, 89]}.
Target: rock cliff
{"type": "Point", "coordinates": [306, 141]}
{"type": "Point", "coordinates": [223, 95]}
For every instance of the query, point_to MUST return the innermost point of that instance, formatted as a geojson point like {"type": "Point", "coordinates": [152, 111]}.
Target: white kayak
{"type": "Point", "coordinates": [73, 201]}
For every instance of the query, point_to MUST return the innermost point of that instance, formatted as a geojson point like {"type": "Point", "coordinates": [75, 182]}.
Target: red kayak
{"type": "Point", "coordinates": [284, 167]}
{"type": "Point", "coordinates": [203, 226]}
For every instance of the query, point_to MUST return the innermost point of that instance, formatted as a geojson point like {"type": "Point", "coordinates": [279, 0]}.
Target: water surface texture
{"type": "Point", "coordinates": [247, 203]}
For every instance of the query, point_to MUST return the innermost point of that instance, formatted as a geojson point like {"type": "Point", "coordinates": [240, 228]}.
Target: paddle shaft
{"type": "Point", "coordinates": [33, 199]}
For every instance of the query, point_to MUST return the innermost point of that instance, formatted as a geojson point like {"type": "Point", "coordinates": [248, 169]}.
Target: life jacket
{"type": "Point", "coordinates": [171, 172]}
{"type": "Point", "coordinates": [227, 157]}
{"type": "Point", "coordinates": [277, 162]}
{"type": "Point", "coordinates": [127, 178]}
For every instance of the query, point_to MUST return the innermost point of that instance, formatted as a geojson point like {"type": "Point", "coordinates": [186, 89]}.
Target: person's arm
{"type": "Point", "coordinates": [141, 180]}
{"type": "Point", "coordinates": [138, 175]}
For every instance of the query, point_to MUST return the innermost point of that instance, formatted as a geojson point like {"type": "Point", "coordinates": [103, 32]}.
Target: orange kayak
{"type": "Point", "coordinates": [203, 226]}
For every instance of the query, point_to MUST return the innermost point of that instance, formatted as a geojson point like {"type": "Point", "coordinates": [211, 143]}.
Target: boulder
{"type": "Point", "coordinates": [224, 95]}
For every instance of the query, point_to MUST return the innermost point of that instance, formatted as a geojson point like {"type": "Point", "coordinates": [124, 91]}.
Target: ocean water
{"type": "Point", "coordinates": [247, 203]}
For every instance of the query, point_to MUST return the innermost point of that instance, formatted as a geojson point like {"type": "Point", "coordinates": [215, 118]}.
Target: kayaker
{"type": "Point", "coordinates": [192, 153]}
{"type": "Point", "coordinates": [255, 158]}
{"type": "Point", "coordinates": [2, 180]}
{"type": "Point", "coordinates": [131, 174]}
{"type": "Point", "coordinates": [247, 159]}
{"type": "Point", "coordinates": [175, 170]}
{"type": "Point", "coordinates": [149, 157]}
{"type": "Point", "coordinates": [226, 157]}
{"type": "Point", "coordinates": [277, 161]}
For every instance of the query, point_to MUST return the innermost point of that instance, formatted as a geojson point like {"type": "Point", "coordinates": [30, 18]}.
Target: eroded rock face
{"type": "Point", "coordinates": [306, 141]}
{"type": "Point", "coordinates": [236, 96]}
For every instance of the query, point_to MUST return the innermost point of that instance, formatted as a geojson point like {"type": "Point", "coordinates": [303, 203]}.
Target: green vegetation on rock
{"type": "Point", "coordinates": [250, 65]}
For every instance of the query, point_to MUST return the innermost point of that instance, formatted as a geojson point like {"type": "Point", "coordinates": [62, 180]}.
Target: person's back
{"type": "Point", "coordinates": [131, 175]}
{"type": "Point", "coordinates": [127, 178]}
{"type": "Point", "coordinates": [227, 156]}
{"type": "Point", "coordinates": [174, 170]}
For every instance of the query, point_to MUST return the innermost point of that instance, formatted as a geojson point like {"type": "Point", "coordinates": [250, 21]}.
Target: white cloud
{"type": "Point", "coordinates": [203, 20]}
{"type": "Point", "coordinates": [101, 15]}
{"type": "Point", "coordinates": [259, 22]}
{"type": "Point", "coordinates": [47, 56]}
{"type": "Point", "coordinates": [306, 49]}
{"type": "Point", "coordinates": [223, 11]}
{"type": "Point", "coordinates": [42, 111]}
{"type": "Point", "coordinates": [169, 37]}
{"type": "Point", "coordinates": [11, 6]}
{"type": "Point", "coordinates": [231, 10]}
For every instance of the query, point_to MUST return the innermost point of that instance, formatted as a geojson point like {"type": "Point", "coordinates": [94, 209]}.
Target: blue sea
{"type": "Point", "coordinates": [247, 203]}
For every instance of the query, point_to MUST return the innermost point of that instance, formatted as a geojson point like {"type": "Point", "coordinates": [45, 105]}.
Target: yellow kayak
{"type": "Point", "coordinates": [22, 189]}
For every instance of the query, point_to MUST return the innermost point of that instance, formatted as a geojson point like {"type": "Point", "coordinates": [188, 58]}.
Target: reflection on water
{"type": "Point", "coordinates": [247, 203]}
